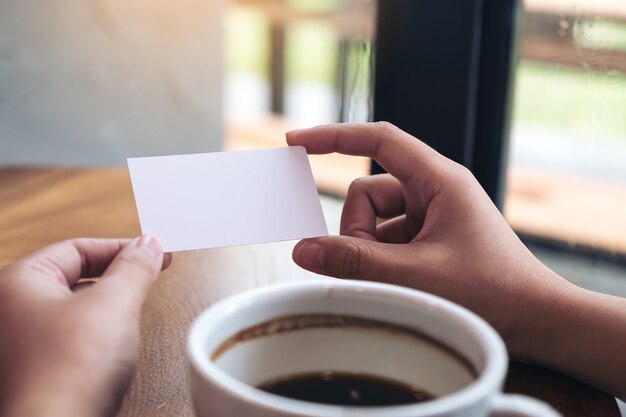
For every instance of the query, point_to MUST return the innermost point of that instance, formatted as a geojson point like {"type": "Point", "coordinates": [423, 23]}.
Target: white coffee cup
{"type": "Point", "coordinates": [352, 327]}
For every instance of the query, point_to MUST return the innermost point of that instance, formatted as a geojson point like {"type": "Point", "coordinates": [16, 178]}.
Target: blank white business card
{"type": "Point", "coordinates": [222, 199]}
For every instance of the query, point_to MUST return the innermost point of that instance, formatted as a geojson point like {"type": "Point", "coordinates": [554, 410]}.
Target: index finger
{"type": "Point", "coordinates": [399, 153]}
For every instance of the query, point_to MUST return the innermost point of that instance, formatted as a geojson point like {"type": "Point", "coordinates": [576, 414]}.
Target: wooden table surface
{"type": "Point", "coordinates": [39, 206]}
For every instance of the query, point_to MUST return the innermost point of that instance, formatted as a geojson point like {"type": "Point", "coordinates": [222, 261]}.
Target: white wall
{"type": "Point", "coordinates": [95, 81]}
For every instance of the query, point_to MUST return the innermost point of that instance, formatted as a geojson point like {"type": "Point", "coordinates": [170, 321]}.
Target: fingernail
{"type": "Point", "coordinates": [310, 255]}
{"type": "Point", "coordinates": [150, 245]}
{"type": "Point", "coordinates": [289, 136]}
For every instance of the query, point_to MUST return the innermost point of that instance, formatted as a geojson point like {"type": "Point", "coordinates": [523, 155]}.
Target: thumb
{"type": "Point", "coordinates": [131, 274]}
{"type": "Point", "coordinates": [349, 257]}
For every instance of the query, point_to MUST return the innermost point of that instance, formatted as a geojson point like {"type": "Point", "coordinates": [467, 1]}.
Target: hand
{"type": "Point", "coordinates": [66, 348]}
{"type": "Point", "coordinates": [428, 225]}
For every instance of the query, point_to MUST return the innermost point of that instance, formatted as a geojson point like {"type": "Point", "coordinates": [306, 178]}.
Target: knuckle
{"type": "Point", "coordinates": [464, 172]}
{"type": "Point", "coordinates": [358, 186]}
{"type": "Point", "coordinates": [384, 132]}
{"type": "Point", "coordinates": [134, 260]}
{"type": "Point", "coordinates": [386, 127]}
{"type": "Point", "coordinates": [356, 261]}
{"type": "Point", "coordinates": [460, 173]}
{"type": "Point", "coordinates": [469, 180]}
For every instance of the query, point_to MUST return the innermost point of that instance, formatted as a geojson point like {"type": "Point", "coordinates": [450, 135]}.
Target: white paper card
{"type": "Point", "coordinates": [221, 199]}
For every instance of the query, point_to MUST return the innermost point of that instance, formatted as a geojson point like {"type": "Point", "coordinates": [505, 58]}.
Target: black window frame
{"type": "Point", "coordinates": [444, 73]}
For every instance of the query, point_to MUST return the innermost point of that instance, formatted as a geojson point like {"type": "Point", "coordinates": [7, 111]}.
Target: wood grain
{"type": "Point", "coordinates": [39, 206]}
{"type": "Point", "coordinates": [42, 205]}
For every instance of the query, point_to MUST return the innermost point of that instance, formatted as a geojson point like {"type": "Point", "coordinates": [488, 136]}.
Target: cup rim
{"type": "Point", "coordinates": [488, 381]}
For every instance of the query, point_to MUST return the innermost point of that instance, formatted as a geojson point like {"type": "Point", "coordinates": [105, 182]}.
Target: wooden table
{"type": "Point", "coordinates": [39, 206]}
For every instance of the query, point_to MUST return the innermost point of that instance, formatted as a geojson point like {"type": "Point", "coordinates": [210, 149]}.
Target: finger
{"type": "Point", "coordinates": [130, 276]}
{"type": "Point", "coordinates": [399, 153]}
{"type": "Point", "coordinates": [353, 258]}
{"type": "Point", "coordinates": [393, 231]}
{"type": "Point", "coordinates": [67, 261]}
{"type": "Point", "coordinates": [369, 198]}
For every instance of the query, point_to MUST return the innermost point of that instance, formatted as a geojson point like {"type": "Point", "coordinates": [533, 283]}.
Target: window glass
{"type": "Point", "coordinates": [567, 176]}
{"type": "Point", "coordinates": [297, 63]}
{"type": "Point", "coordinates": [294, 64]}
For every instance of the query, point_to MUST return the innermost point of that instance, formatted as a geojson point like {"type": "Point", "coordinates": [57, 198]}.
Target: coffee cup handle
{"type": "Point", "coordinates": [512, 405]}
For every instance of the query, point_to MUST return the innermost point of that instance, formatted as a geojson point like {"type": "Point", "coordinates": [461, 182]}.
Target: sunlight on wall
{"type": "Point", "coordinates": [95, 81]}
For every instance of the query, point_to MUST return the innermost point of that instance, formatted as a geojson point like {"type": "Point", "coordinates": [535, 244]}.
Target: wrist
{"type": "Point", "coordinates": [583, 336]}
{"type": "Point", "coordinates": [541, 309]}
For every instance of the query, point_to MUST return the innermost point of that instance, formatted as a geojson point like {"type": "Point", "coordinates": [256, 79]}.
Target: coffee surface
{"type": "Point", "coordinates": [346, 389]}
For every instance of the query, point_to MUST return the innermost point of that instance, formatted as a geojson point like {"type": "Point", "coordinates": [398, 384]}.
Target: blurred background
{"type": "Point", "coordinates": [296, 63]}
{"type": "Point", "coordinates": [93, 82]}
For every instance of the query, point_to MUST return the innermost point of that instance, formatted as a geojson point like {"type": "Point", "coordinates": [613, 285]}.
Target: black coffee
{"type": "Point", "coordinates": [345, 389]}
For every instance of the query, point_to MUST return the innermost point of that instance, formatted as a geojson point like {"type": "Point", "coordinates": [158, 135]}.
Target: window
{"type": "Point", "coordinates": [567, 177]}
{"type": "Point", "coordinates": [302, 62]}
{"type": "Point", "coordinates": [299, 63]}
